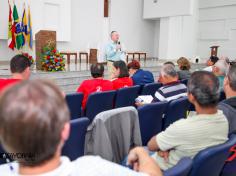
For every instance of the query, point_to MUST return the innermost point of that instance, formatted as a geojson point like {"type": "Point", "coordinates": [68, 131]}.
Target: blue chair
{"type": "Point", "coordinates": [150, 120]}
{"type": "Point", "coordinates": [74, 146]}
{"type": "Point", "coordinates": [126, 96]}
{"type": "Point", "coordinates": [182, 168]}
{"type": "Point", "coordinates": [229, 168]}
{"type": "Point", "coordinates": [177, 109]}
{"type": "Point", "coordinates": [184, 81]}
{"type": "Point", "coordinates": [99, 102]}
{"type": "Point", "coordinates": [210, 161]}
{"type": "Point", "coordinates": [74, 102]}
{"type": "Point", "coordinates": [150, 89]}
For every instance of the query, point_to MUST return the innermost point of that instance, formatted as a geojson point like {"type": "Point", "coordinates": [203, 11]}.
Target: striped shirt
{"type": "Point", "coordinates": [171, 91]}
{"type": "Point", "coordinates": [186, 137]}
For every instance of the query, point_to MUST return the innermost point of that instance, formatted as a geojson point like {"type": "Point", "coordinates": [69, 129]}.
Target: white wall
{"type": "Point", "coordinates": [217, 26]}
{"type": "Point", "coordinates": [166, 8]}
{"type": "Point", "coordinates": [89, 28]}
{"type": "Point", "coordinates": [178, 35]}
{"type": "Point", "coordinates": [136, 33]}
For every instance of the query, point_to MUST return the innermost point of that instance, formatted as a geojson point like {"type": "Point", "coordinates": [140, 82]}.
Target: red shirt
{"type": "Point", "coordinates": [5, 83]}
{"type": "Point", "coordinates": [122, 82]}
{"type": "Point", "coordinates": [94, 85]}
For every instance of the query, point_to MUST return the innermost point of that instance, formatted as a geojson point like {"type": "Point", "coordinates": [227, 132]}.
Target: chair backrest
{"type": "Point", "coordinates": [99, 102]}
{"type": "Point", "coordinates": [211, 160]}
{"type": "Point", "coordinates": [150, 120]}
{"type": "Point", "coordinates": [182, 168]}
{"type": "Point", "coordinates": [150, 89]}
{"type": "Point", "coordinates": [177, 109]}
{"type": "Point", "coordinates": [126, 96]}
{"type": "Point", "coordinates": [74, 146]}
{"type": "Point", "coordinates": [184, 81]}
{"type": "Point", "coordinates": [74, 102]}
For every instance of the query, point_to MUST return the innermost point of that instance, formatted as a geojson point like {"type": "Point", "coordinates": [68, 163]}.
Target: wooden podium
{"type": "Point", "coordinates": [43, 38]}
{"type": "Point", "coordinates": [93, 56]}
{"type": "Point", "coordinates": [214, 50]}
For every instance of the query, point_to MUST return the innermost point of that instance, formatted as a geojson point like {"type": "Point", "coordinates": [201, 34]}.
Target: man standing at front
{"type": "Point", "coordinates": [114, 52]}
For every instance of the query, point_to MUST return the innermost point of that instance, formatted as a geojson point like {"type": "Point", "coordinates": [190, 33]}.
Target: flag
{"type": "Point", "coordinates": [24, 27]}
{"type": "Point", "coordinates": [11, 30]}
{"type": "Point", "coordinates": [18, 33]}
{"type": "Point", "coordinates": [30, 32]}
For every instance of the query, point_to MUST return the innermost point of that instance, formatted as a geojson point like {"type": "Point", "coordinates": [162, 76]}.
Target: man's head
{"type": "Point", "coordinates": [20, 67]}
{"type": "Point", "coordinates": [133, 66]}
{"type": "Point", "coordinates": [212, 60]}
{"type": "Point", "coordinates": [168, 74]}
{"type": "Point", "coordinates": [220, 68]}
{"type": "Point", "coordinates": [230, 82]}
{"type": "Point", "coordinates": [169, 63]}
{"type": "Point", "coordinates": [115, 36]}
{"type": "Point", "coordinates": [97, 70]}
{"type": "Point", "coordinates": [203, 89]}
{"type": "Point", "coordinates": [34, 120]}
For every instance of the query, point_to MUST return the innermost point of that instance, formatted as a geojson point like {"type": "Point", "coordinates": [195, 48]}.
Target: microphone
{"type": "Point", "coordinates": [119, 44]}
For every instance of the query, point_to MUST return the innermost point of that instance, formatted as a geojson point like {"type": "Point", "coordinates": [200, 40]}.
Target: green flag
{"type": "Point", "coordinates": [18, 32]}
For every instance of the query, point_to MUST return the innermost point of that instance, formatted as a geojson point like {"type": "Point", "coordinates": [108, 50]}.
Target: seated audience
{"type": "Point", "coordinates": [172, 88]}
{"type": "Point", "coordinates": [228, 106]}
{"type": "Point", "coordinates": [210, 62]}
{"type": "Point", "coordinates": [121, 77]}
{"type": "Point", "coordinates": [35, 121]}
{"type": "Point", "coordinates": [186, 137]}
{"type": "Point", "coordinates": [139, 76]}
{"type": "Point", "coordinates": [219, 70]}
{"type": "Point", "coordinates": [184, 67]}
{"type": "Point", "coordinates": [20, 70]}
{"type": "Point", "coordinates": [96, 84]}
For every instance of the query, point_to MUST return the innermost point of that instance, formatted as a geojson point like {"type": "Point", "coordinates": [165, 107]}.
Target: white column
{"type": "Point", "coordinates": [178, 35]}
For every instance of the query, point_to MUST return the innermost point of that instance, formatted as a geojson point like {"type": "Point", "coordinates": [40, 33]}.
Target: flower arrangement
{"type": "Point", "coordinates": [31, 59]}
{"type": "Point", "coordinates": [52, 60]}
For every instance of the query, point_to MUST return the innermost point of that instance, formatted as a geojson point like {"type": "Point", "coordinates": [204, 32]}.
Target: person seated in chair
{"type": "Point", "coordinates": [172, 88]}
{"type": "Point", "coordinates": [35, 124]}
{"type": "Point", "coordinates": [139, 76]}
{"type": "Point", "coordinates": [210, 62]}
{"type": "Point", "coordinates": [186, 137]}
{"type": "Point", "coordinates": [120, 76]}
{"type": "Point", "coordinates": [20, 70]}
{"type": "Point", "coordinates": [219, 69]}
{"type": "Point", "coordinates": [184, 67]}
{"type": "Point", "coordinates": [96, 84]}
{"type": "Point", "coordinates": [228, 106]}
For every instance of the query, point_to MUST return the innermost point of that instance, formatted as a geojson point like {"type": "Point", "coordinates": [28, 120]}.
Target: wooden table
{"type": "Point", "coordinates": [127, 56]}
{"type": "Point", "coordinates": [84, 53]}
{"type": "Point", "coordinates": [68, 54]}
{"type": "Point", "coordinates": [140, 54]}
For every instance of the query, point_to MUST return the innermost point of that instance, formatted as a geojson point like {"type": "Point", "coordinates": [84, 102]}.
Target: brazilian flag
{"type": "Point", "coordinates": [18, 32]}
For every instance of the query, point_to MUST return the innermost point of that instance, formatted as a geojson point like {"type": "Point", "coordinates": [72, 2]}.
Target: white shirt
{"type": "Point", "coordinates": [186, 137]}
{"type": "Point", "coordinates": [83, 166]}
{"type": "Point", "coordinates": [209, 69]}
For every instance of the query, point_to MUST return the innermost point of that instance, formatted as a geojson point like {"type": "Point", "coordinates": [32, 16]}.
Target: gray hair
{"type": "Point", "coordinates": [204, 86]}
{"type": "Point", "coordinates": [232, 77]}
{"type": "Point", "coordinates": [168, 70]}
{"type": "Point", "coordinates": [222, 65]}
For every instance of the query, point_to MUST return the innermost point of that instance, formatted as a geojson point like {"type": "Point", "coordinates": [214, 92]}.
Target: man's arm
{"type": "Point", "coordinates": [142, 162]}
{"type": "Point", "coordinates": [152, 144]}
